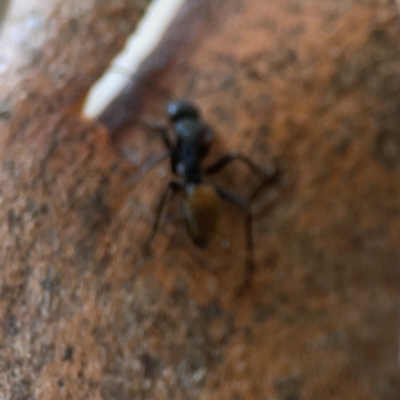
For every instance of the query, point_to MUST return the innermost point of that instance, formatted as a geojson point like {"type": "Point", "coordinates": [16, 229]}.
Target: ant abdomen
{"type": "Point", "coordinates": [201, 210]}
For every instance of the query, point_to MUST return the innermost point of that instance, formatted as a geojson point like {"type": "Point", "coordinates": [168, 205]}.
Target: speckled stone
{"type": "Point", "coordinates": [314, 84]}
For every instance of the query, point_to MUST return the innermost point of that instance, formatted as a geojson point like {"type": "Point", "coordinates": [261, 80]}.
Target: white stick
{"type": "Point", "coordinates": [138, 47]}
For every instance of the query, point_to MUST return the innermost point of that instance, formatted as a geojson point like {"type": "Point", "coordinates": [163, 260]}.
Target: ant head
{"type": "Point", "coordinates": [179, 109]}
{"type": "Point", "coordinates": [201, 210]}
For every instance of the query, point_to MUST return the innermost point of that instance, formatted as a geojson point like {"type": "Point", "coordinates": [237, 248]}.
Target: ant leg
{"type": "Point", "coordinates": [269, 173]}
{"type": "Point", "coordinates": [152, 162]}
{"type": "Point", "coordinates": [147, 166]}
{"type": "Point", "coordinates": [171, 186]}
{"type": "Point", "coordinates": [163, 131]}
{"type": "Point", "coordinates": [269, 176]}
{"type": "Point", "coordinates": [245, 207]}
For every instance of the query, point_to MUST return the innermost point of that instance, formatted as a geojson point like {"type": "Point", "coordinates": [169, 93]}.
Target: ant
{"type": "Point", "coordinates": [202, 204]}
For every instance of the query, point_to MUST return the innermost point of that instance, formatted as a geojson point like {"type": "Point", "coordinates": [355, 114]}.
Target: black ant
{"type": "Point", "coordinates": [202, 200]}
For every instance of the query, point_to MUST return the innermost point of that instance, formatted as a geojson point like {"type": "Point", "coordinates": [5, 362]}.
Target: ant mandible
{"type": "Point", "coordinates": [201, 208]}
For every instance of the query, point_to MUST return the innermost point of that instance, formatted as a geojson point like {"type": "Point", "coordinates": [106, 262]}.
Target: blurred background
{"type": "Point", "coordinates": [313, 84]}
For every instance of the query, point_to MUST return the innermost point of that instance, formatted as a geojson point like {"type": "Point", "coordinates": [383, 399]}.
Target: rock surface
{"type": "Point", "coordinates": [313, 83]}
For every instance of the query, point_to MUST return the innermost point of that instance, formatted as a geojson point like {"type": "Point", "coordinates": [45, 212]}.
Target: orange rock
{"type": "Point", "coordinates": [314, 83]}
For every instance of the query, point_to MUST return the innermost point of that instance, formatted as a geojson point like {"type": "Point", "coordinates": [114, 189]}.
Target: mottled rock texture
{"type": "Point", "coordinates": [315, 84]}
